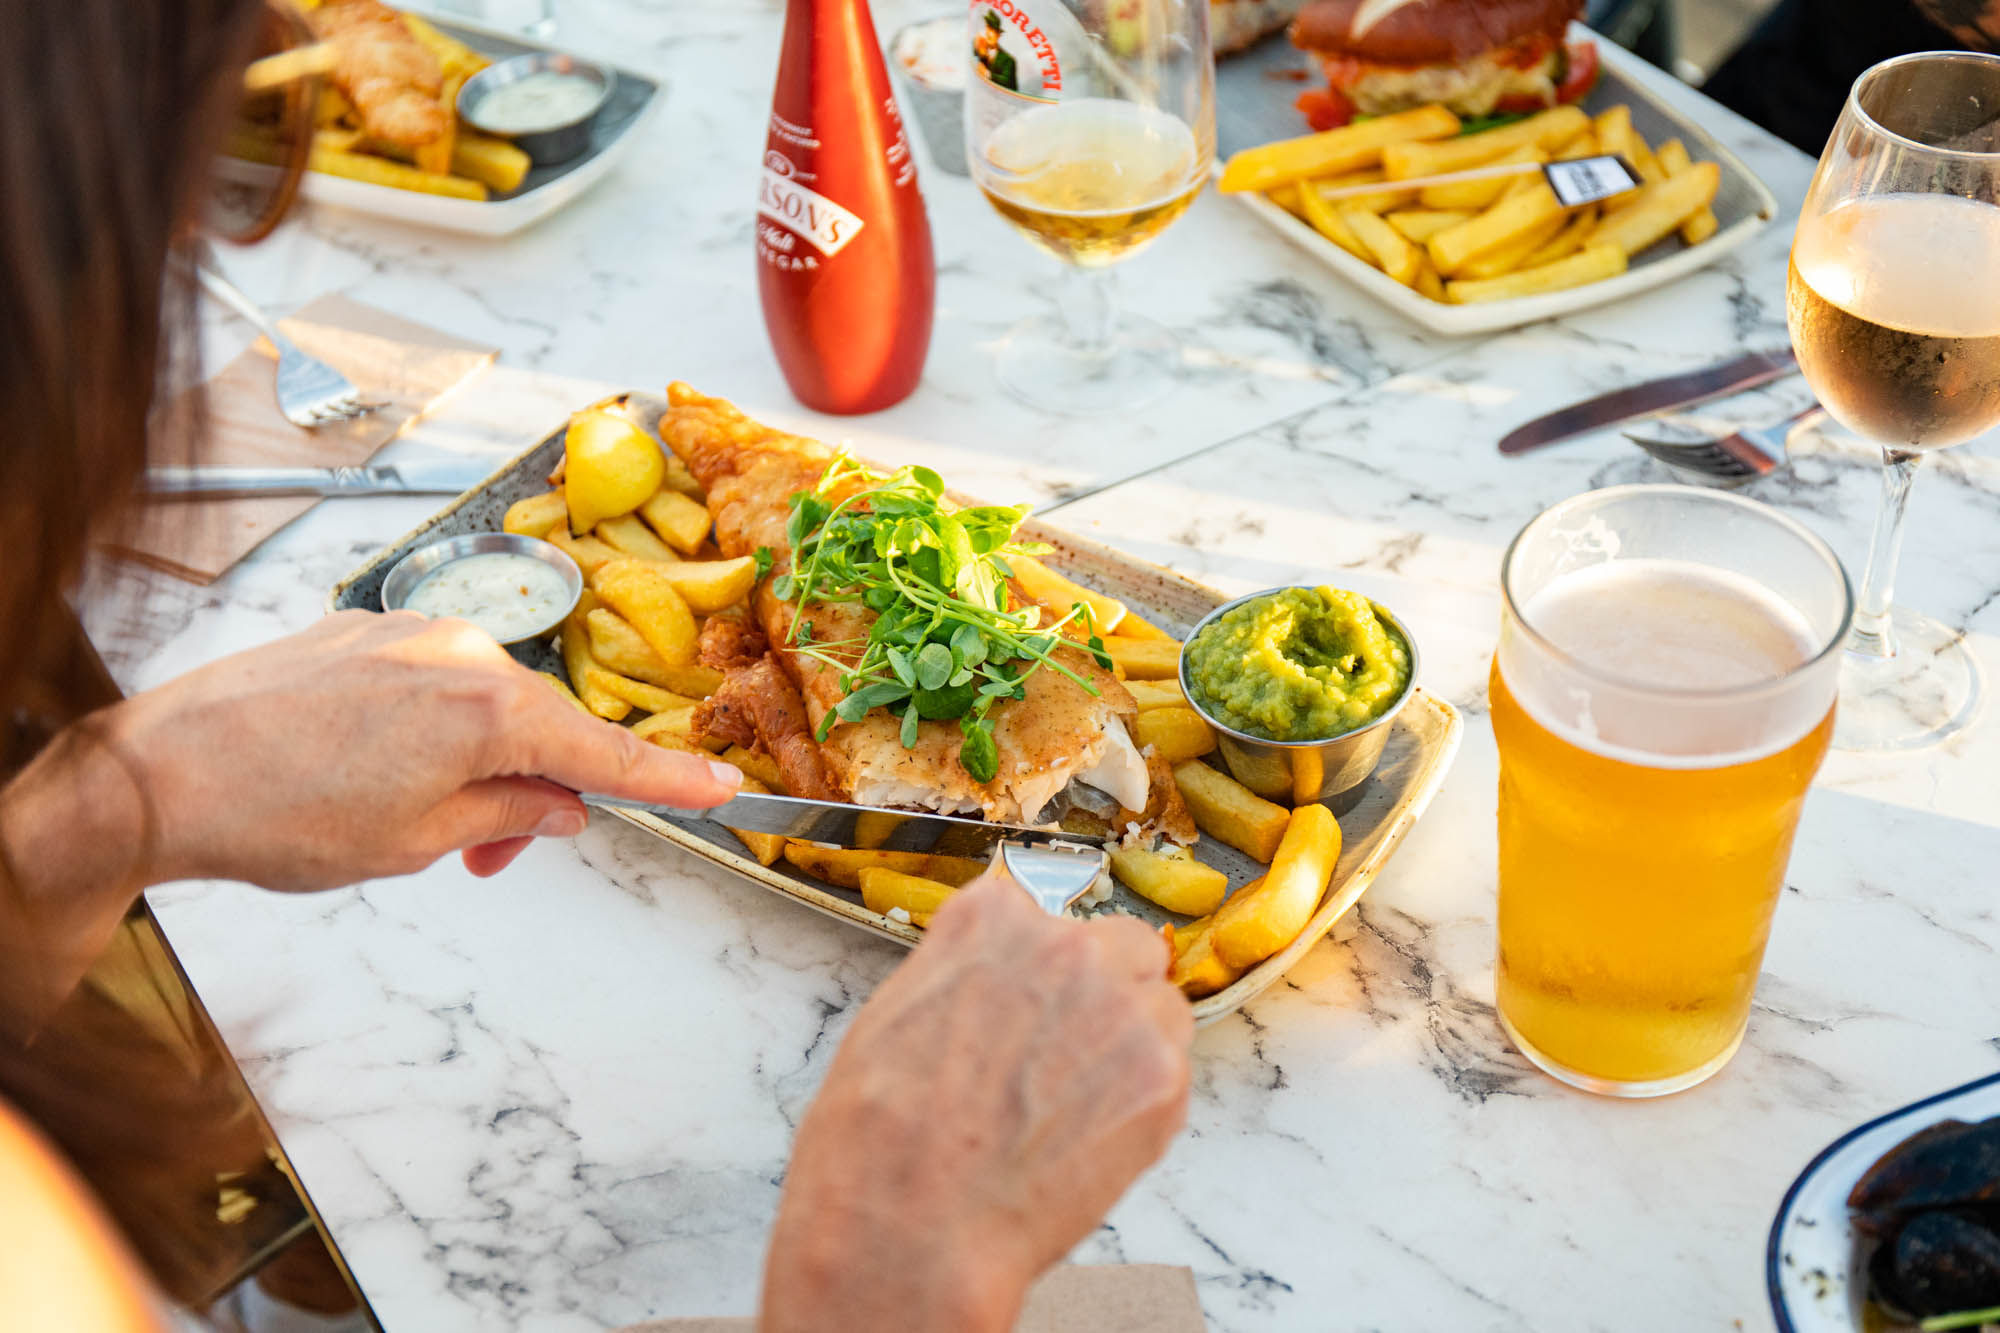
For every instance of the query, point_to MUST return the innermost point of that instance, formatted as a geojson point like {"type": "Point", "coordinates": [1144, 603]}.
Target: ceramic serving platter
{"type": "Point", "coordinates": [634, 98]}
{"type": "Point", "coordinates": [1253, 97]}
{"type": "Point", "coordinates": [1816, 1267]}
{"type": "Point", "coordinates": [1374, 817]}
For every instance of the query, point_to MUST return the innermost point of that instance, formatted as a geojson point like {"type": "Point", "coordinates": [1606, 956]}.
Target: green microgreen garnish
{"type": "Point", "coordinates": [944, 644]}
{"type": "Point", "coordinates": [1938, 1323]}
{"type": "Point", "coordinates": [764, 560]}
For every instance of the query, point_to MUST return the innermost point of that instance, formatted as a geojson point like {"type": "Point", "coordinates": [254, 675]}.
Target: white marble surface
{"type": "Point", "coordinates": [561, 1099]}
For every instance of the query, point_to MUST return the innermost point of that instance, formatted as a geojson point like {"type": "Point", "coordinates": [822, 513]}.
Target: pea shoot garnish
{"type": "Point", "coordinates": [944, 644]}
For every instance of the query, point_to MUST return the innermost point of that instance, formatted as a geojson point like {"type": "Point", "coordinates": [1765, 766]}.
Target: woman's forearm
{"type": "Point", "coordinates": [73, 852]}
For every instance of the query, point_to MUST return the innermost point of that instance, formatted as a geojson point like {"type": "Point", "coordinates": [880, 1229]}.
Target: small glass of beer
{"type": "Point", "coordinates": [1090, 128]}
{"type": "Point", "coordinates": [1662, 695]}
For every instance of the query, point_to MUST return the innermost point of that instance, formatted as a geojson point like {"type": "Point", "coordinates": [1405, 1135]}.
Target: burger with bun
{"type": "Point", "coordinates": [1478, 58]}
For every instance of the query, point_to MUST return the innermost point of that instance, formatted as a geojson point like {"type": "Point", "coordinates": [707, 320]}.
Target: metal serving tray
{"type": "Point", "coordinates": [1253, 105]}
{"type": "Point", "coordinates": [1373, 817]}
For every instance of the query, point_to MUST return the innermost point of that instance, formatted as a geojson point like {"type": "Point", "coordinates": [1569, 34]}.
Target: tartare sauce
{"type": "Point", "coordinates": [509, 596]}
{"type": "Point", "coordinates": [541, 101]}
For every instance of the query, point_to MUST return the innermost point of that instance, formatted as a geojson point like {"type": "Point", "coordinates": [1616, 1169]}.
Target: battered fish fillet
{"type": "Point", "coordinates": [731, 641]}
{"type": "Point", "coordinates": [760, 699]}
{"type": "Point", "coordinates": [1057, 734]}
{"type": "Point", "coordinates": [393, 82]}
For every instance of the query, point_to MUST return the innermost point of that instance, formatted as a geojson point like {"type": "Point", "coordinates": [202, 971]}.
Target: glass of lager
{"type": "Point", "coordinates": [1090, 128]}
{"type": "Point", "coordinates": [1662, 695]}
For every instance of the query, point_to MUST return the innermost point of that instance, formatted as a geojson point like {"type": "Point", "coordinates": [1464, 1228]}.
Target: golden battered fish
{"type": "Point", "coordinates": [392, 81]}
{"type": "Point", "coordinates": [1057, 734]}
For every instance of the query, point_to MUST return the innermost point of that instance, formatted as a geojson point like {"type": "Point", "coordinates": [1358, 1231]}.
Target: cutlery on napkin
{"type": "Point", "coordinates": [407, 365]}
{"type": "Point", "coordinates": [208, 481]}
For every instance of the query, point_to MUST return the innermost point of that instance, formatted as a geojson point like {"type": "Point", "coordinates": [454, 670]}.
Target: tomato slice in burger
{"type": "Point", "coordinates": [1325, 109]}
{"type": "Point", "coordinates": [1580, 76]}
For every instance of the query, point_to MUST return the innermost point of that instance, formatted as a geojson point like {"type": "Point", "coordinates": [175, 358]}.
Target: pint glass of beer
{"type": "Point", "coordinates": [1662, 695]}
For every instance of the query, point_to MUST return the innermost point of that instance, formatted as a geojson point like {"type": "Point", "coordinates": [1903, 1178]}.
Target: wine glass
{"type": "Point", "coordinates": [1090, 126]}
{"type": "Point", "coordinates": [1894, 304]}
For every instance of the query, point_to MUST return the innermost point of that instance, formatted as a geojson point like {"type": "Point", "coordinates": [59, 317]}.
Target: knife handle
{"type": "Point", "coordinates": [211, 480]}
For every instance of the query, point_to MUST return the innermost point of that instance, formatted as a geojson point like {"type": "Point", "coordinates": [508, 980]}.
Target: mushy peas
{"type": "Point", "coordinates": [1299, 664]}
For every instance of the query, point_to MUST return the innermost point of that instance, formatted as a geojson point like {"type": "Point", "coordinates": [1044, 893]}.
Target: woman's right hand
{"type": "Point", "coordinates": [371, 745]}
{"type": "Point", "coordinates": [993, 1099]}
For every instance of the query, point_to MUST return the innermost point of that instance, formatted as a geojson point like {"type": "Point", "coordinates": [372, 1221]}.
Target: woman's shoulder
{"type": "Point", "coordinates": [63, 1265]}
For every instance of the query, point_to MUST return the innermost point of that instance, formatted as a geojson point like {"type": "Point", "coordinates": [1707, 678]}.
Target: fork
{"type": "Point", "coordinates": [1733, 459]}
{"type": "Point", "coordinates": [1055, 876]}
{"type": "Point", "coordinates": [310, 392]}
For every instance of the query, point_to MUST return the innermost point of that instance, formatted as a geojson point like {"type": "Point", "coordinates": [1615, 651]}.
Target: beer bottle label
{"type": "Point", "coordinates": [1017, 57]}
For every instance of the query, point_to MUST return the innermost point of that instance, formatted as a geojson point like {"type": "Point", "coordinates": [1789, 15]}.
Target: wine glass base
{"type": "Point", "coordinates": [1040, 365]}
{"type": "Point", "coordinates": [1927, 692]}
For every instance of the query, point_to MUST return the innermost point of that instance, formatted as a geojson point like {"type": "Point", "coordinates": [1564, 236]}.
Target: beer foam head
{"type": "Point", "coordinates": [1671, 624]}
{"type": "Point", "coordinates": [1664, 662]}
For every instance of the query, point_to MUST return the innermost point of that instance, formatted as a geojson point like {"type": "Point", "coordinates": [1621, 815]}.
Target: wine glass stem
{"type": "Point", "coordinates": [1089, 301]}
{"type": "Point", "coordinates": [1871, 634]}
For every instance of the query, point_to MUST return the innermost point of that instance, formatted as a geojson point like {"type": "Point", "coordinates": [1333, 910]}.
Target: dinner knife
{"type": "Point", "coordinates": [1053, 866]}
{"type": "Point", "coordinates": [207, 481]}
{"type": "Point", "coordinates": [1661, 395]}
{"type": "Point", "coordinates": [837, 823]}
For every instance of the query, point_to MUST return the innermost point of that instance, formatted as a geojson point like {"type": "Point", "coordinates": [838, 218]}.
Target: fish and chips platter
{"type": "Point", "coordinates": [1254, 110]}
{"type": "Point", "coordinates": [1373, 817]}
{"type": "Point", "coordinates": [442, 172]}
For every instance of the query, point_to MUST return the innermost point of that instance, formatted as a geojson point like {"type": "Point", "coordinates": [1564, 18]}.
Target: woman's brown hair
{"type": "Point", "coordinates": [110, 113]}
{"type": "Point", "coordinates": [113, 109]}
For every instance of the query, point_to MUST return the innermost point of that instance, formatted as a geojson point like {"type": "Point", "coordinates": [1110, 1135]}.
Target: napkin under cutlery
{"type": "Point", "coordinates": [405, 365]}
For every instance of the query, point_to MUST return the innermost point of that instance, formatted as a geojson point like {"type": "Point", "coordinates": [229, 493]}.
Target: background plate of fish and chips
{"type": "Point", "coordinates": [1373, 817]}
{"type": "Point", "coordinates": [1254, 96]}
{"type": "Point", "coordinates": [456, 178]}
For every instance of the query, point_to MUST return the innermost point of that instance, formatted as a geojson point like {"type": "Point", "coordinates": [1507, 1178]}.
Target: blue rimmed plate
{"type": "Point", "coordinates": [1814, 1265]}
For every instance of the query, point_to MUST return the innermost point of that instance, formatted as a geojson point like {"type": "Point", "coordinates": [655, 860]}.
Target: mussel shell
{"type": "Point", "coordinates": [1939, 1262]}
{"type": "Point", "coordinates": [1947, 1164]}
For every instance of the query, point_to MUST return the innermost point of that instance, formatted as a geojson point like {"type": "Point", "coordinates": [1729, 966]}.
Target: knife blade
{"type": "Point", "coordinates": [1640, 400]}
{"type": "Point", "coordinates": [209, 481]}
{"type": "Point", "coordinates": [836, 822]}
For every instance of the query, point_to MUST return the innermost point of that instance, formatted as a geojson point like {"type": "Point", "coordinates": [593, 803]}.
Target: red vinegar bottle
{"type": "Point", "coordinates": [844, 262]}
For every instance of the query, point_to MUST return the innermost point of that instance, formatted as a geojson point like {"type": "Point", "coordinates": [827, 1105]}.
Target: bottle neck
{"type": "Point", "coordinates": [829, 45]}
{"type": "Point", "coordinates": [821, 12]}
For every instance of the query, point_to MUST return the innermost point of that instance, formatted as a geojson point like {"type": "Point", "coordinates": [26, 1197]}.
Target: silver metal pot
{"type": "Point", "coordinates": [1301, 772]}
{"type": "Point", "coordinates": [548, 144]}
{"type": "Point", "coordinates": [419, 564]}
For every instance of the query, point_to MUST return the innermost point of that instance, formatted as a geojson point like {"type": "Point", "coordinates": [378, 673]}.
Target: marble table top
{"type": "Point", "coordinates": [561, 1099]}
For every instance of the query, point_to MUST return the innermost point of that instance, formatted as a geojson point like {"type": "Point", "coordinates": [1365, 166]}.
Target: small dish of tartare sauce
{"type": "Point", "coordinates": [540, 101]}
{"type": "Point", "coordinates": [509, 596]}
{"type": "Point", "coordinates": [545, 101]}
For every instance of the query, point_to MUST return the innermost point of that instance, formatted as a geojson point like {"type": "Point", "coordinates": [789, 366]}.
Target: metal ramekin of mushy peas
{"type": "Point", "coordinates": [1298, 772]}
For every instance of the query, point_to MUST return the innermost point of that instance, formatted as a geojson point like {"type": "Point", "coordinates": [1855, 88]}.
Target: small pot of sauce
{"type": "Point", "coordinates": [546, 101]}
{"type": "Point", "coordinates": [515, 588]}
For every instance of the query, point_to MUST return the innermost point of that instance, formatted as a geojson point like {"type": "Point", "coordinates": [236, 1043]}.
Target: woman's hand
{"type": "Point", "coordinates": [371, 745]}
{"type": "Point", "coordinates": [991, 1102]}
